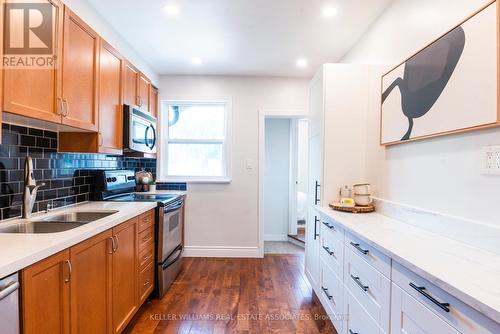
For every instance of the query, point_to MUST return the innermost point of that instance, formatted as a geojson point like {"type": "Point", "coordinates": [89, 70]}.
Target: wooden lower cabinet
{"type": "Point", "coordinates": [125, 294]}
{"type": "Point", "coordinates": [46, 295]}
{"type": "Point", "coordinates": [95, 286]}
{"type": "Point", "coordinates": [90, 285]}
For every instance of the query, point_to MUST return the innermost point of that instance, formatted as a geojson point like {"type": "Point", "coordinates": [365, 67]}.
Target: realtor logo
{"type": "Point", "coordinates": [28, 35]}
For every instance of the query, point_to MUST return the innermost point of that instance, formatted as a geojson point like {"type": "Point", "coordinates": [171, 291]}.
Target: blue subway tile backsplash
{"type": "Point", "coordinates": [67, 176]}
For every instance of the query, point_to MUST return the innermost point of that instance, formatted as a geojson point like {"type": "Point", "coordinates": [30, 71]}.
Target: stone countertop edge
{"type": "Point", "coordinates": [18, 251]}
{"type": "Point", "coordinates": [438, 259]}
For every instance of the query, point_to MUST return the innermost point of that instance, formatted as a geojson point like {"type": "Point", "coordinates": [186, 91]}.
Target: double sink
{"type": "Point", "coordinates": [57, 223]}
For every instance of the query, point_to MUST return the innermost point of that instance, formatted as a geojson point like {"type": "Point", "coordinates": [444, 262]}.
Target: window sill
{"type": "Point", "coordinates": [198, 181]}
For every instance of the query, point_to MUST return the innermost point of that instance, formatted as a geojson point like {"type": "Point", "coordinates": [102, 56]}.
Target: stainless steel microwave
{"type": "Point", "coordinates": [139, 131]}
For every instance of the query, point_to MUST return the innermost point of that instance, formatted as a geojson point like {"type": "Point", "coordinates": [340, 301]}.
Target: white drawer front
{"type": "Point", "coordinates": [369, 254]}
{"type": "Point", "coordinates": [460, 316]}
{"type": "Point", "coordinates": [370, 287]}
{"type": "Point", "coordinates": [332, 252]}
{"type": "Point", "coordinates": [358, 320]}
{"type": "Point", "coordinates": [332, 228]}
{"type": "Point", "coordinates": [332, 295]}
{"type": "Point", "coordinates": [411, 316]}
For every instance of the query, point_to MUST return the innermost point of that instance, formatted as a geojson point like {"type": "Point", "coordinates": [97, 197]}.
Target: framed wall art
{"type": "Point", "coordinates": [449, 86]}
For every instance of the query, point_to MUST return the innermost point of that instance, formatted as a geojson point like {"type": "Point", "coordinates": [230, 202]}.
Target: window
{"type": "Point", "coordinates": [195, 145]}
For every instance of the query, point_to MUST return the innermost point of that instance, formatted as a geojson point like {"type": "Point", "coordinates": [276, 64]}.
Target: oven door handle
{"type": "Point", "coordinates": [169, 263]}
{"type": "Point", "coordinates": [169, 209]}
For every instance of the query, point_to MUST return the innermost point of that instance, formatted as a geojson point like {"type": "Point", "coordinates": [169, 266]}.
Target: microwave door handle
{"type": "Point", "coordinates": [154, 136]}
{"type": "Point", "coordinates": [146, 140]}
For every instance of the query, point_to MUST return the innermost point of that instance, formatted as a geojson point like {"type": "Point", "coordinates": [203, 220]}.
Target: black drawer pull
{"type": "Point", "coordinates": [421, 289]}
{"type": "Point", "coordinates": [351, 332]}
{"type": "Point", "coordinates": [364, 251]}
{"type": "Point", "coordinates": [358, 282]}
{"type": "Point", "coordinates": [325, 290]}
{"type": "Point", "coordinates": [327, 249]}
{"type": "Point", "coordinates": [331, 227]}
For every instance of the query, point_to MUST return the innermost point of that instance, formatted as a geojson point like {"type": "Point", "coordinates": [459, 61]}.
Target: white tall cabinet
{"type": "Point", "coordinates": [338, 96]}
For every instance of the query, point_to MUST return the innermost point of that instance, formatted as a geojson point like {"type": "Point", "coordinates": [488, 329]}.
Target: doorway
{"type": "Point", "coordinates": [283, 183]}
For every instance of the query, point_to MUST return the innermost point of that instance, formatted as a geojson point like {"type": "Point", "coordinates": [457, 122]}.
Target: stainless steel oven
{"type": "Point", "coordinates": [169, 244]}
{"type": "Point", "coordinates": [139, 130]}
{"type": "Point", "coordinates": [9, 305]}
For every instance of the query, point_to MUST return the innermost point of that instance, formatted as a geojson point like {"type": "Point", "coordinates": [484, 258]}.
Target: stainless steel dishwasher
{"type": "Point", "coordinates": [9, 304]}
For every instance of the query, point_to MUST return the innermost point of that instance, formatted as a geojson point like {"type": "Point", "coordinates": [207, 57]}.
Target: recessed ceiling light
{"type": "Point", "coordinates": [330, 11]}
{"type": "Point", "coordinates": [302, 62]}
{"type": "Point", "coordinates": [171, 10]}
{"type": "Point", "coordinates": [196, 61]}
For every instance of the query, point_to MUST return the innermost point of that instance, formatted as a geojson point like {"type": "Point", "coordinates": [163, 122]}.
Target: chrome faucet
{"type": "Point", "coordinates": [30, 188]}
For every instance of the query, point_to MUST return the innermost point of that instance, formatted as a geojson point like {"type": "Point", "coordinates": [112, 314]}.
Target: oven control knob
{"type": "Point", "coordinates": [113, 179]}
{"type": "Point", "coordinates": [130, 178]}
{"type": "Point", "coordinates": [108, 179]}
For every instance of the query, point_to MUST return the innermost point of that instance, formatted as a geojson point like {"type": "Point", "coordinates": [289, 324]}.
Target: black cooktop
{"type": "Point", "coordinates": [134, 197]}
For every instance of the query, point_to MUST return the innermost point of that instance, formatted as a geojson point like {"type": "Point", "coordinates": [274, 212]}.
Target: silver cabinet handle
{"type": "Point", "coordinates": [10, 288]}
{"type": "Point", "coordinates": [115, 237]}
{"type": "Point", "coordinates": [327, 249]}
{"type": "Point", "coordinates": [361, 250]}
{"type": "Point", "coordinates": [60, 106]}
{"type": "Point", "coordinates": [325, 291]}
{"type": "Point", "coordinates": [67, 108]}
{"type": "Point", "coordinates": [70, 269]}
{"type": "Point", "coordinates": [358, 282]}
{"type": "Point", "coordinates": [112, 245]}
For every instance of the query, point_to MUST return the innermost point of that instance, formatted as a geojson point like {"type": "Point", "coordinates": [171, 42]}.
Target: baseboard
{"type": "Point", "coordinates": [275, 237]}
{"type": "Point", "coordinates": [221, 251]}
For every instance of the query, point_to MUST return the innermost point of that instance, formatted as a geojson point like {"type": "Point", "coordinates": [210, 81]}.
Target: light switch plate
{"type": "Point", "coordinates": [491, 160]}
{"type": "Point", "coordinates": [249, 163]}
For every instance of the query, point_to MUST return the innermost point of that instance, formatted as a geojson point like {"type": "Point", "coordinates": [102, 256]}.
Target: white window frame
{"type": "Point", "coordinates": [162, 161]}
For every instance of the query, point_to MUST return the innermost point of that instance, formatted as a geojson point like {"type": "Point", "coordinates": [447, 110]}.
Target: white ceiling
{"type": "Point", "coordinates": [240, 37]}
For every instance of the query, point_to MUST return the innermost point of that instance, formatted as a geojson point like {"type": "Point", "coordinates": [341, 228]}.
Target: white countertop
{"type": "Point", "coordinates": [18, 251]}
{"type": "Point", "coordinates": [469, 273]}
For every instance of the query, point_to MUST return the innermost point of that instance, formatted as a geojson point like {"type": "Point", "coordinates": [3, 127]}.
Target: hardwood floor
{"type": "Point", "coordinates": [300, 236]}
{"type": "Point", "coordinates": [269, 295]}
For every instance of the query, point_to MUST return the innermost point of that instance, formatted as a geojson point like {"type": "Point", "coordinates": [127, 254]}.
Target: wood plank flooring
{"type": "Point", "coordinates": [270, 295]}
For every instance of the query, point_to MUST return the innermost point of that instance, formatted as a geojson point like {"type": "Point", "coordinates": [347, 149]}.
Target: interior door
{"type": "Point", "coordinates": [33, 92]}
{"type": "Point", "coordinates": [125, 287]}
{"type": "Point", "coordinates": [91, 285]}
{"type": "Point", "coordinates": [110, 100]}
{"type": "Point", "coordinates": [79, 79]}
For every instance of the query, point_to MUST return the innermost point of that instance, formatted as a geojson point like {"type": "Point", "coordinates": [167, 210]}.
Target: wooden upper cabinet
{"type": "Point", "coordinates": [91, 285]}
{"type": "Point", "coordinates": [130, 82]}
{"type": "Point", "coordinates": [46, 296]}
{"type": "Point", "coordinates": [79, 75]}
{"type": "Point", "coordinates": [144, 92]}
{"type": "Point", "coordinates": [154, 101]}
{"type": "Point", "coordinates": [110, 100]}
{"type": "Point", "coordinates": [124, 282]}
{"type": "Point", "coordinates": [33, 92]}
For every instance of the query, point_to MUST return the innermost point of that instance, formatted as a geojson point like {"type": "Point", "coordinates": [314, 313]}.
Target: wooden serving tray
{"type": "Point", "coordinates": [355, 209]}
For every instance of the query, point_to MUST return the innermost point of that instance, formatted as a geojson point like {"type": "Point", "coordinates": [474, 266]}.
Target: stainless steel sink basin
{"type": "Point", "coordinates": [78, 216]}
{"type": "Point", "coordinates": [58, 223]}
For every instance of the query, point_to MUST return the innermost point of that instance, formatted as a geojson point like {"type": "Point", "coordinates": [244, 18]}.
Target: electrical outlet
{"type": "Point", "coordinates": [491, 160]}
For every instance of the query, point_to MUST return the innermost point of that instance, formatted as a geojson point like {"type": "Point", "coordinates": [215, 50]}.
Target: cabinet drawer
{"type": "Point", "coordinates": [369, 287]}
{"type": "Point", "coordinates": [332, 251]}
{"type": "Point", "coordinates": [146, 282]}
{"type": "Point", "coordinates": [369, 254]}
{"type": "Point", "coordinates": [358, 320]}
{"type": "Point", "coordinates": [146, 237]}
{"type": "Point", "coordinates": [146, 256]}
{"type": "Point", "coordinates": [411, 316]}
{"type": "Point", "coordinates": [461, 316]}
{"type": "Point", "coordinates": [146, 220]}
{"type": "Point", "coordinates": [332, 228]}
{"type": "Point", "coordinates": [332, 295]}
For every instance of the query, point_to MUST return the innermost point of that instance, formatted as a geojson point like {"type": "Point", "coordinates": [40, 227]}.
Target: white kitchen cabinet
{"type": "Point", "coordinates": [410, 316]}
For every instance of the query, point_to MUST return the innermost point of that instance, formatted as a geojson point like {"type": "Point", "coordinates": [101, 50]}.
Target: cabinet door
{"type": "Point", "coordinates": [79, 78]}
{"type": "Point", "coordinates": [130, 82]}
{"type": "Point", "coordinates": [125, 286]}
{"type": "Point", "coordinates": [410, 316]}
{"type": "Point", "coordinates": [154, 101]}
{"type": "Point", "coordinates": [45, 295]}
{"type": "Point", "coordinates": [32, 92]}
{"type": "Point", "coordinates": [144, 93]}
{"type": "Point", "coordinates": [110, 100]}
{"type": "Point", "coordinates": [90, 285]}
{"type": "Point", "coordinates": [316, 104]}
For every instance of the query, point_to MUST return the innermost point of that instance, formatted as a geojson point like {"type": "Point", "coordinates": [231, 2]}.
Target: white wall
{"type": "Point", "coordinates": [222, 219]}
{"type": "Point", "coordinates": [441, 174]}
{"type": "Point", "coordinates": [277, 179]}
{"type": "Point", "coordinates": [86, 12]}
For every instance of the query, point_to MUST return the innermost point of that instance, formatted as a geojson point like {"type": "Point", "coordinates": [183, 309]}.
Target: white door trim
{"type": "Point", "coordinates": [263, 114]}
